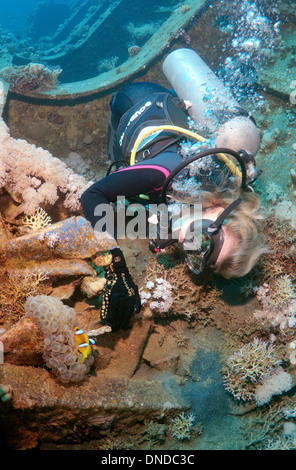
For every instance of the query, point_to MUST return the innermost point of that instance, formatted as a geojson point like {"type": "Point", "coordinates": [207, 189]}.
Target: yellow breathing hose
{"type": "Point", "coordinates": [232, 167]}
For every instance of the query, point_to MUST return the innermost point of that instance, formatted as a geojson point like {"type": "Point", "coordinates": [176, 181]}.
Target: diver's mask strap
{"type": "Point", "coordinates": [217, 235]}
{"type": "Point", "coordinates": [217, 224]}
{"type": "Point", "coordinates": [217, 242]}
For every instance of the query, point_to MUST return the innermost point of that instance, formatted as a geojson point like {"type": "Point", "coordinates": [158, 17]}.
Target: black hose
{"type": "Point", "coordinates": [210, 151]}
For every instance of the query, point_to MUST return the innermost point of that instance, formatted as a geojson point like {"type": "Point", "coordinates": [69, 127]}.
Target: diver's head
{"type": "Point", "coordinates": [226, 239]}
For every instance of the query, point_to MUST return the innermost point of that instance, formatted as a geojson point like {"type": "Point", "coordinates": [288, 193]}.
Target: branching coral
{"type": "Point", "coordinates": [35, 176]}
{"type": "Point", "coordinates": [284, 292]}
{"type": "Point", "coordinates": [181, 426]}
{"type": "Point", "coordinates": [16, 286]}
{"type": "Point", "coordinates": [264, 427]}
{"type": "Point", "coordinates": [281, 258]}
{"type": "Point", "coordinates": [278, 306]}
{"type": "Point", "coordinates": [280, 443]}
{"type": "Point", "coordinates": [38, 220]}
{"type": "Point", "coordinates": [155, 432]}
{"type": "Point", "coordinates": [274, 192]}
{"type": "Point", "coordinates": [247, 368]}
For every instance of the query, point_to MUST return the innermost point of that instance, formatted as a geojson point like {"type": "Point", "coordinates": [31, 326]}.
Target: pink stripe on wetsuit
{"type": "Point", "coordinates": [154, 167]}
{"type": "Point", "coordinates": [142, 178]}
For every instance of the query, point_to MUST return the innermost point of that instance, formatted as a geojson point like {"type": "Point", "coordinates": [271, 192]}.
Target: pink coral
{"type": "Point", "coordinates": [23, 164]}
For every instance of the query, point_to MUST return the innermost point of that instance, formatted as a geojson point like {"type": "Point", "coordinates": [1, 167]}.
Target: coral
{"type": "Point", "coordinates": [114, 443]}
{"type": "Point", "coordinates": [159, 293]}
{"type": "Point", "coordinates": [278, 307]}
{"type": "Point", "coordinates": [181, 426]}
{"type": "Point", "coordinates": [56, 321]}
{"type": "Point", "coordinates": [291, 352]}
{"type": "Point", "coordinates": [274, 383]}
{"type": "Point", "coordinates": [280, 233]}
{"type": "Point", "coordinates": [31, 77]}
{"type": "Point", "coordinates": [108, 64]}
{"type": "Point", "coordinates": [38, 220]}
{"type": "Point", "coordinates": [289, 413]}
{"type": "Point", "coordinates": [284, 292]}
{"type": "Point", "coordinates": [133, 50]}
{"type": "Point", "coordinates": [181, 340]}
{"type": "Point", "coordinates": [289, 430]}
{"type": "Point", "coordinates": [264, 427]}
{"type": "Point", "coordinates": [191, 297]}
{"type": "Point", "coordinates": [77, 163]}
{"type": "Point", "coordinates": [274, 192]}
{"type": "Point", "coordinates": [16, 286]}
{"type": "Point", "coordinates": [35, 177]}
{"type": "Point", "coordinates": [281, 443]}
{"type": "Point", "coordinates": [248, 367]}
{"type": "Point", "coordinates": [141, 31]}
{"type": "Point", "coordinates": [155, 432]}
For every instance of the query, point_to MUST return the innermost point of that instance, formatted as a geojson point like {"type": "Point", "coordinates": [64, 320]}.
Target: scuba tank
{"type": "Point", "coordinates": [212, 104]}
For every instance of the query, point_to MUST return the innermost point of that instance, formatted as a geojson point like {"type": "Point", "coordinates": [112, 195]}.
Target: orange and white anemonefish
{"type": "Point", "coordinates": [83, 343]}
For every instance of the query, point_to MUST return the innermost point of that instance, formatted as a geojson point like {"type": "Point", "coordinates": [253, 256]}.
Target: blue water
{"type": "Point", "coordinates": [15, 13]}
{"type": "Point", "coordinates": [59, 33]}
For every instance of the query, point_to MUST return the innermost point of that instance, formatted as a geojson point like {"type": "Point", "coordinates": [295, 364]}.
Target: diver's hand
{"type": "Point", "coordinates": [120, 296]}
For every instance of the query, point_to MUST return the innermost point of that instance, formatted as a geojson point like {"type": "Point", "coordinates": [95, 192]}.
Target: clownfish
{"type": "Point", "coordinates": [83, 343]}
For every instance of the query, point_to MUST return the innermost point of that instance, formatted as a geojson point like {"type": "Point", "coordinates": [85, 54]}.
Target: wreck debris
{"type": "Point", "coordinates": [71, 238]}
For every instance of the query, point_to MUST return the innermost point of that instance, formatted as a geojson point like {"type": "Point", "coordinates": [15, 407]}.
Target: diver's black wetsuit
{"type": "Point", "coordinates": [145, 177]}
{"type": "Point", "coordinates": [120, 295]}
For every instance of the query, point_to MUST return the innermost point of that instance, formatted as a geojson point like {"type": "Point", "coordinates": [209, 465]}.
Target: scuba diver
{"type": "Point", "coordinates": [147, 127]}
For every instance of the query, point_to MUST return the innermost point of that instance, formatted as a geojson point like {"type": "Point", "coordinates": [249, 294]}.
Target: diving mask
{"type": "Point", "coordinates": [204, 246]}
{"type": "Point", "coordinates": [203, 243]}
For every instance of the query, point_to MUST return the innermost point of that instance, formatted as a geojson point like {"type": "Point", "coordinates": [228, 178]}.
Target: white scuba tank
{"type": "Point", "coordinates": [212, 102]}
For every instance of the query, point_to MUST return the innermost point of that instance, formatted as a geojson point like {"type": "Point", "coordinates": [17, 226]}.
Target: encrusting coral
{"type": "Point", "coordinates": [31, 77]}
{"type": "Point", "coordinates": [35, 177]}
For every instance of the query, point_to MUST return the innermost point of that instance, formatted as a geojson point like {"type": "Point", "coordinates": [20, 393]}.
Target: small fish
{"type": "Point", "coordinates": [83, 343]}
